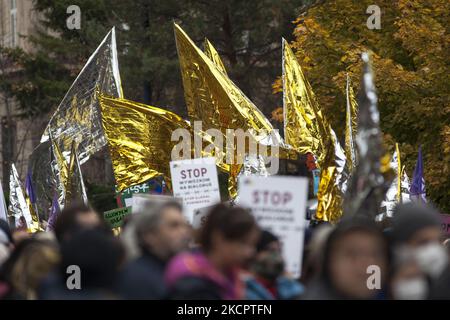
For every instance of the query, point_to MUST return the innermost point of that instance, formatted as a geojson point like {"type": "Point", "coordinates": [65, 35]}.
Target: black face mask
{"type": "Point", "coordinates": [270, 266]}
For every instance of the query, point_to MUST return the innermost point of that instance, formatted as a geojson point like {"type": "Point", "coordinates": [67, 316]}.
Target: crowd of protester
{"type": "Point", "coordinates": [157, 255]}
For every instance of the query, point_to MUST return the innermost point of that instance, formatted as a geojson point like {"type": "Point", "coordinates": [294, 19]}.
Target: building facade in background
{"type": "Point", "coordinates": [19, 135]}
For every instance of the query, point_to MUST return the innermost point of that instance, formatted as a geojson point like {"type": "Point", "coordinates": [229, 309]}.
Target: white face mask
{"type": "Point", "coordinates": [410, 289]}
{"type": "Point", "coordinates": [432, 259]}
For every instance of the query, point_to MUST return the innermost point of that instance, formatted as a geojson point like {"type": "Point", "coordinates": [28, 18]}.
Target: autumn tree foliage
{"type": "Point", "coordinates": [410, 55]}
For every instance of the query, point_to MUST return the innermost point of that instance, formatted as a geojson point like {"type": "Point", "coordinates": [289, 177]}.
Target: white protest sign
{"type": "Point", "coordinates": [279, 205]}
{"type": "Point", "coordinates": [140, 201]}
{"type": "Point", "coordinates": [195, 181]}
{"type": "Point", "coordinates": [200, 215]}
{"type": "Point", "coordinates": [128, 202]}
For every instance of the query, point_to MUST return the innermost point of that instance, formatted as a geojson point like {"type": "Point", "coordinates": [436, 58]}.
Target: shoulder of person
{"type": "Point", "coordinates": [194, 288]}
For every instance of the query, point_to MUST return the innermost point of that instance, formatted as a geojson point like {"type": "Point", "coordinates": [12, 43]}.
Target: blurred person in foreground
{"type": "Point", "coordinates": [416, 230]}
{"type": "Point", "coordinates": [355, 244]}
{"type": "Point", "coordinates": [161, 232]}
{"type": "Point", "coordinates": [407, 280]}
{"type": "Point", "coordinates": [97, 255]}
{"type": "Point", "coordinates": [446, 244]}
{"type": "Point", "coordinates": [313, 252]}
{"type": "Point", "coordinates": [268, 280]}
{"type": "Point", "coordinates": [75, 217]}
{"type": "Point", "coordinates": [29, 263]}
{"type": "Point", "coordinates": [227, 241]}
{"type": "Point", "coordinates": [6, 241]}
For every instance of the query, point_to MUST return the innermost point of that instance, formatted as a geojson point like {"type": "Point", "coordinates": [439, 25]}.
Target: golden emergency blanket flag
{"type": "Point", "coordinates": [214, 56]}
{"type": "Point", "coordinates": [305, 128]}
{"type": "Point", "coordinates": [399, 172]}
{"type": "Point", "coordinates": [329, 198]}
{"type": "Point", "coordinates": [211, 97]}
{"type": "Point", "coordinates": [332, 184]}
{"type": "Point", "coordinates": [232, 169]}
{"type": "Point", "coordinates": [139, 139]}
{"type": "Point", "coordinates": [350, 127]}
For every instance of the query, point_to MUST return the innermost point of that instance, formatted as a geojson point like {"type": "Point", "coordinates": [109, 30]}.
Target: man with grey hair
{"type": "Point", "coordinates": [161, 231]}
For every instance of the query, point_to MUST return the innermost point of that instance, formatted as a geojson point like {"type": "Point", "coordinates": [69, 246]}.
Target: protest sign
{"type": "Point", "coordinates": [196, 182]}
{"type": "Point", "coordinates": [115, 217]}
{"type": "Point", "coordinates": [279, 205]}
{"type": "Point", "coordinates": [200, 215]}
{"type": "Point", "coordinates": [445, 224]}
{"type": "Point", "coordinates": [141, 201]}
{"type": "Point", "coordinates": [153, 186]}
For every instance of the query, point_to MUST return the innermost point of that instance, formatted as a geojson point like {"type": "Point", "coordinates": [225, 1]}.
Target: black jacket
{"type": "Point", "coordinates": [194, 288]}
{"type": "Point", "coordinates": [143, 278]}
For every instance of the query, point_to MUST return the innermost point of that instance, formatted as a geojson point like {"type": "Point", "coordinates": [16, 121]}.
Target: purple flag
{"type": "Point", "coordinates": [53, 214]}
{"type": "Point", "coordinates": [29, 188]}
{"type": "Point", "coordinates": [417, 190]}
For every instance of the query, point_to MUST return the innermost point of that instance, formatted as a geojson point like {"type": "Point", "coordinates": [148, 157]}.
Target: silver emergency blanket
{"type": "Point", "coordinates": [78, 119]}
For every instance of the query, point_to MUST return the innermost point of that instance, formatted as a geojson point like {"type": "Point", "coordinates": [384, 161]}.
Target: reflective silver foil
{"type": "Point", "coordinates": [372, 175]}
{"type": "Point", "coordinates": [77, 118]}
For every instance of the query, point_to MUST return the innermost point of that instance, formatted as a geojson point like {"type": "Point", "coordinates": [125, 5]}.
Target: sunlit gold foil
{"type": "Point", "coordinates": [305, 128]}
{"type": "Point", "coordinates": [68, 186]}
{"type": "Point", "coordinates": [399, 174]}
{"type": "Point", "coordinates": [214, 56]}
{"type": "Point", "coordinates": [332, 183]}
{"type": "Point", "coordinates": [211, 97]}
{"type": "Point", "coordinates": [139, 139]}
{"type": "Point", "coordinates": [19, 205]}
{"type": "Point", "coordinates": [233, 169]}
{"type": "Point", "coordinates": [329, 203]}
{"type": "Point", "coordinates": [350, 127]}
{"type": "Point", "coordinates": [77, 118]}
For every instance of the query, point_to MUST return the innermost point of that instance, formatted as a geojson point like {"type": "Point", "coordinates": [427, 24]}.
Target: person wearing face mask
{"type": "Point", "coordinates": [354, 245]}
{"type": "Point", "coordinates": [407, 280]}
{"type": "Point", "coordinates": [416, 228]}
{"type": "Point", "coordinates": [267, 279]}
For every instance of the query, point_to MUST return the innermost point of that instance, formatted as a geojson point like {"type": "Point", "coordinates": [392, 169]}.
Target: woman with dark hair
{"type": "Point", "coordinates": [227, 241]}
{"type": "Point", "coordinates": [355, 261]}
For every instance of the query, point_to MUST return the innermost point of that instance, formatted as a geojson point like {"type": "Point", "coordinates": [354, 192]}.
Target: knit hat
{"type": "Point", "coordinates": [410, 218]}
{"type": "Point", "coordinates": [265, 239]}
